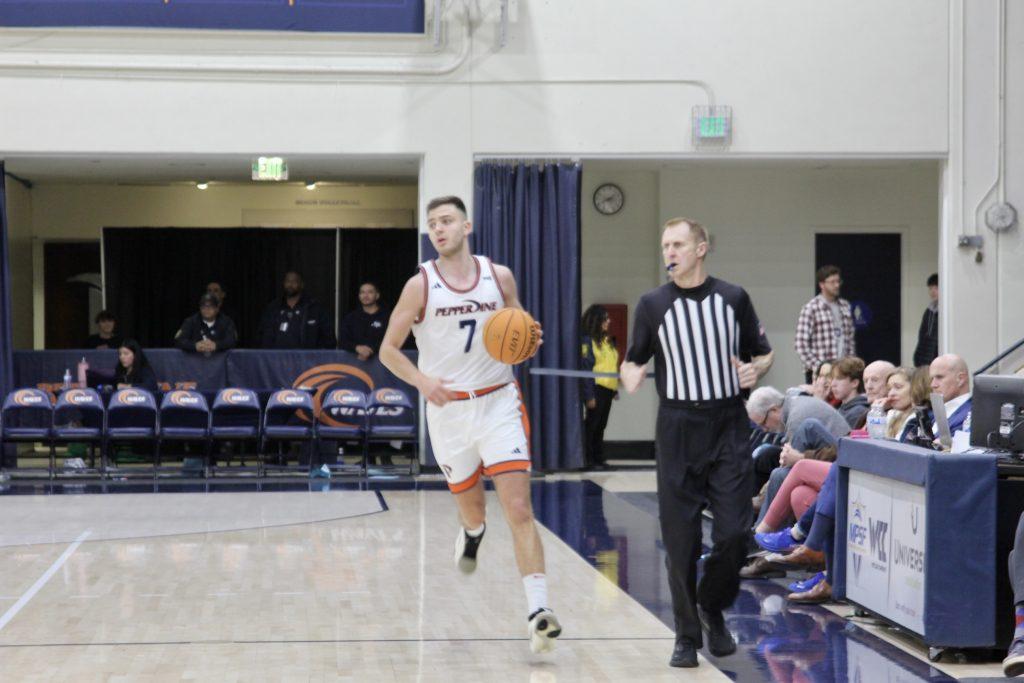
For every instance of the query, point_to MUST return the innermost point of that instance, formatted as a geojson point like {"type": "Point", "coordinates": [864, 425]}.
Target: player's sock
{"type": "Point", "coordinates": [536, 586]}
{"type": "Point", "coordinates": [476, 533]}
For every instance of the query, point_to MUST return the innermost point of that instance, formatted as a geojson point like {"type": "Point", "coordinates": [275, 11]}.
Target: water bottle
{"type": "Point", "coordinates": [67, 378]}
{"type": "Point", "coordinates": [876, 422]}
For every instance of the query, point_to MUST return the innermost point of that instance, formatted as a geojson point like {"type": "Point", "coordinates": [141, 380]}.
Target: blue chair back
{"type": "Point", "coordinates": [182, 409]}
{"type": "Point", "coordinates": [27, 414]}
{"type": "Point", "coordinates": [281, 416]}
{"type": "Point", "coordinates": [235, 413]}
{"type": "Point", "coordinates": [131, 409]}
{"type": "Point", "coordinates": [343, 413]}
{"type": "Point", "coordinates": [391, 414]}
{"type": "Point", "coordinates": [83, 406]}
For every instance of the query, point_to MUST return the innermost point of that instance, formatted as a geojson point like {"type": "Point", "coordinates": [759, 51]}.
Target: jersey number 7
{"type": "Point", "coordinates": [471, 324]}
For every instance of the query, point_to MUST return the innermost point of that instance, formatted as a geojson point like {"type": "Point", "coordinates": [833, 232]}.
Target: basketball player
{"type": "Point", "coordinates": [476, 417]}
{"type": "Point", "coordinates": [699, 328]}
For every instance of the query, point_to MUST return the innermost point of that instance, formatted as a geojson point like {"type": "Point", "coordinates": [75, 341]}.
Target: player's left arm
{"type": "Point", "coordinates": [507, 282]}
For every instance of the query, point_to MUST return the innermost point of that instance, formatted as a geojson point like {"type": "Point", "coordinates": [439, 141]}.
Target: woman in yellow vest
{"type": "Point", "coordinates": [599, 355]}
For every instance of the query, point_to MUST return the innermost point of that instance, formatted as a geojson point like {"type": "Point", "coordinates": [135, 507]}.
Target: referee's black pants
{"type": "Point", "coordinates": [703, 459]}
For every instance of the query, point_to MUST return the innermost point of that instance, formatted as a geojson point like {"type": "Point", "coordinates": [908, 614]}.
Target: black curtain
{"type": "Point", "coordinates": [387, 257]}
{"type": "Point", "coordinates": [155, 276]}
{"type": "Point", "coordinates": [6, 339]}
{"type": "Point", "coordinates": [528, 218]}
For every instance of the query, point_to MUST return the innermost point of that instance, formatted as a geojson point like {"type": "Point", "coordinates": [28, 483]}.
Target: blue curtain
{"type": "Point", "coordinates": [6, 341]}
{"type": "Point", "coordinates": [528, 218]}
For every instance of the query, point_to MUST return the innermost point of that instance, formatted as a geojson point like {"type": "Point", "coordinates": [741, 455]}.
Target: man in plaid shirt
{"type": "Point", "coordinates": [824, 329]}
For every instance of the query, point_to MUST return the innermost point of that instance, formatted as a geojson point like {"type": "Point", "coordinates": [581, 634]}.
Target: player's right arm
{"type": "Point", "coordinates": [405, 313]}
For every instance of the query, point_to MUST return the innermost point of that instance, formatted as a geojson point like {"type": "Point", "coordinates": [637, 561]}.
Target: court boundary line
{"type": "Point", "coordinates": [12, 612]}
{"type": "Point", "coordinates": [331, 641]}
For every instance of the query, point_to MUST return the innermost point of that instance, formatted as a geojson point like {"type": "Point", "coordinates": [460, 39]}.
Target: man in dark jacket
{"type": "Point", "coordinates": [208, 330]}
{"type": "Point", "coordinates": [296, 321]}
{"type": "Point", "coordinates": [363, 329]}
{"type": "Point", "coordinates": [928, 335]}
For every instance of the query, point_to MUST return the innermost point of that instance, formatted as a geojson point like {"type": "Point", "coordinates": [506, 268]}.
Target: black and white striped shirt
{"type": "Point", "coordinates": [696, 333]}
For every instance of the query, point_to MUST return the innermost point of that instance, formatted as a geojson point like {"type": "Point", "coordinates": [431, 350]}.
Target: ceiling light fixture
{"type": "Point", "coordinates": [311, 186]}
{"type": "Point", "coordinates": [202, 186]}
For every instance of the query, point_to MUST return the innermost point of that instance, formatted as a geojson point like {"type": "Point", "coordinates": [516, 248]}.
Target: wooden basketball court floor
{"type": "Point", "coordinates": [297, 586]}
{"type": "Point", "coordinates": [336, 581]}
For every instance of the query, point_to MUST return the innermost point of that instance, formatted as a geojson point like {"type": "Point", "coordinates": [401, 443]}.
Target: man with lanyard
{"type": "Point", "coordinates": [699, 328]}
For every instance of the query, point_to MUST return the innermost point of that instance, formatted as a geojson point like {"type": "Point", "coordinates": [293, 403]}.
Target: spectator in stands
{"type": "Point", "coordinates": [217, 289]}
{"type": "Point", "coordinates": [296, 321]}
{"type": "Point", "coordinates": [362, 330]}
{"type": "Point", "coordinates": [825, 326]}
{"type": "Point", "coordinates": [875, 377]}
{"type": "Point", "coordinates": [107, 337]}
{"type": "Point", "coordinates": [208, 330]}
{"type": "Point", "coordinates": [847, 387]}
{"type": "Point", "coordinates": [821, 385]}
{"type": "Point", "coordinates": [1013, 665]}
{"type": "Point", "coordinates": [951, 378]}
{"type": "Point", "coordinates": [598, 354]}
{"type": "Point", "coordinates": [928, 335]}
{"type": "Point", "coordinates": [133, 370]}
{"type": "Point", "coordinates": [908, 389]}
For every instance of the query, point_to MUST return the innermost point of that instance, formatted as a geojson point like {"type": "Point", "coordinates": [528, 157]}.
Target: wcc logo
{"type": "Point", "coordinates": [878, 530]}
{"type": "Point", "coordinates": [30, 397]}
{"type": "Point", "coordinates": [132, 397]}
{"type": "Point", "coordinates": [236, 397]}
{"type": "Point", "coordinates": [77, 397]}
{"type": "Point", "coordinates": [184, 399]}
{"type": "Point", "coordinates": [323, 379]}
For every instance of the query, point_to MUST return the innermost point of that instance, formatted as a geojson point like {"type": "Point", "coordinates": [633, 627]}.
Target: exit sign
{"type": "Point", "coordinates": [712, 126]}
{"type": "Point", "coordinates": [269, 168]}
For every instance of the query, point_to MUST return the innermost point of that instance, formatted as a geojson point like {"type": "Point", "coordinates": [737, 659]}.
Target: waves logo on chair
{"type": "Point", "coordinates": [322, 379]}
{"type": "Point", "coordinates": [131, 397]}
{"type": "Point", "coordinates": [235, 397]}
{"type": "Point", "coordinates": [290, 398]}
{"type": "Point", "coordinates": [344, 396]}
{"type": "Point", "coordinates": [184, 399]}
{"type": "Point", "coordinates": [389, 396]}
{"type": "Point", "coordinates": [28, 398]}
{"type": "Point", "coordinates": [78, 397]}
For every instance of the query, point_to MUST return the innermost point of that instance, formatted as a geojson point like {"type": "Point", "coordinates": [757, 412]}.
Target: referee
{"type": "Point", "coordinates": [699, 328]}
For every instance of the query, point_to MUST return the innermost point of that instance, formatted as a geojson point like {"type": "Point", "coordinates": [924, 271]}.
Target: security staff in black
{"type": "Point", "coordinates": [208, 330]}
{"type": "Point", "coordinates": [698, 329]}
{"type": "Point", "coordinates": [296, 321]}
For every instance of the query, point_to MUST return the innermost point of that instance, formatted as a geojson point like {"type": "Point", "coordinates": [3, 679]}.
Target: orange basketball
{"type": "Point", "coordinates": [510, 336]}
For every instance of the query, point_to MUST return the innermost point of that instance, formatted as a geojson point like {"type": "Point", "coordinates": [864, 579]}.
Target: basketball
{"type": "Point", "coordinates": [510, 336]}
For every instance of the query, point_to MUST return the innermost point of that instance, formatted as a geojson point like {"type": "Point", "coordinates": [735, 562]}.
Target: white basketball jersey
{"type": "Point", "coordinates": [450, 332]}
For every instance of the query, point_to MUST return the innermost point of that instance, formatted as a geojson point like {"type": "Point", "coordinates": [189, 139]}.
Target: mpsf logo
{"type": "Point", "coordinates": [858, 532]}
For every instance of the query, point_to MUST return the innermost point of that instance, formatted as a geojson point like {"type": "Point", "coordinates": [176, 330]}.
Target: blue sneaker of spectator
{"type": "Point", "coordinates": [806, 584]}
{"type": "Point", "coordinates": [777, 541]}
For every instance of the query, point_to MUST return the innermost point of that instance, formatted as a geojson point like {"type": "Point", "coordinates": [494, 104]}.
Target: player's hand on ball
{"type": "Point", "coordinates": [540, 335]}
{"type": "Point", "coordinates": [435, 391]}
{"type": "Point", "coordinates": [746, 372]}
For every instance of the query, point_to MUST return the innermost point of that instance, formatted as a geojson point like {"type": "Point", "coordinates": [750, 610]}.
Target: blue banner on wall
{"type": "Point", "coordinates": [338, 16]}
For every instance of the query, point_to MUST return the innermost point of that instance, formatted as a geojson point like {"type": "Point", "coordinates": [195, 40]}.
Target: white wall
{"type": "Point", "coordinates": [763, 218]}
{"type": "Point", "coordinates": [804, 76]}
{"type": "Point", "coordinates": [620, 255]}
{"type": "Point", "coordinates": [982, 298]}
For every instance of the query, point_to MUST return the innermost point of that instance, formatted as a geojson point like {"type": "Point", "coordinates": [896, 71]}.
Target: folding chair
{"type": "Point", "coordinates": [391, 416]}
{"type": "Point", "coordinates": [235, 417]}
{"type": "Point", "coordinates": [27, 417]}
{"type": "Point", "coordinates": [131, 416]}
{"type": "Point", "coordinates": [79, 417]}
{"type": "Point", "coordinates": [342, 417]}
{"type": "Point", "coordinates": [184, 416]}
{"type": "Point", "coordinates": [282, 423]}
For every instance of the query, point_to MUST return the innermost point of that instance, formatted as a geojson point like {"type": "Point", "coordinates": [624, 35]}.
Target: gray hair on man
{"type": "Point", "coordinates": [764, 399]}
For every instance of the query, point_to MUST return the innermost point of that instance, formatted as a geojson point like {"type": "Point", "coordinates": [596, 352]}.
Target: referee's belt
{"type": "Point", "coordinates": [477, 393]}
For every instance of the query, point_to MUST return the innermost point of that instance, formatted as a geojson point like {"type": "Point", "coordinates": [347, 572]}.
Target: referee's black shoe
{"type": "Point", "coordinates": [720, 641]}
{"type": "Point", "coordinates": [684, 655]}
